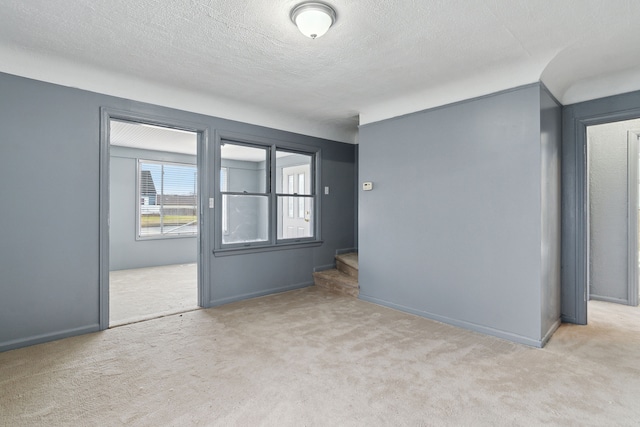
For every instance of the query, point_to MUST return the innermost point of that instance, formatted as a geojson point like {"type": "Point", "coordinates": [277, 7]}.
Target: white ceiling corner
{"type": "Point", "coordinates": [246, 61]}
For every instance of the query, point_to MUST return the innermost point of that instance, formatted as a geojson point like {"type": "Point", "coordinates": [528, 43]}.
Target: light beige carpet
{"type": "Point", "coordinates": [308, 358]}
{"type": "Point", "coordinates": [145, 293]}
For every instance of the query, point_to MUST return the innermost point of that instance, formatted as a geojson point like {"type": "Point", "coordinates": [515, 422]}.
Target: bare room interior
{"type": "Point", "coordinates": [317, 213]}
{"type": "Point", "coordinates": [153, 226]}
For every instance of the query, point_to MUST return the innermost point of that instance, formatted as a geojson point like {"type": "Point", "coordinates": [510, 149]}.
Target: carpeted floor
{"type": "Point", "coordinates": [146, 293]}
{"type": "Point", "coordinates": [309, 358]}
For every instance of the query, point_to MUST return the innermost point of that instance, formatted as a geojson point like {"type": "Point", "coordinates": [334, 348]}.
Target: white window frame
{"type": "Point", "coordinates": [138, 231]}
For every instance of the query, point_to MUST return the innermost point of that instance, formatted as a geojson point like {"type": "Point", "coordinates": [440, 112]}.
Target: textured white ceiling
{"type": "Point", "coordinates": [148, 137]}
{"type": "Point", "coordinates": [245, 60]}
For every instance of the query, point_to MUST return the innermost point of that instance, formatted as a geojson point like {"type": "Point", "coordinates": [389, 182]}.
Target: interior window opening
{"type": "Point", "coordinates": [267, 195]}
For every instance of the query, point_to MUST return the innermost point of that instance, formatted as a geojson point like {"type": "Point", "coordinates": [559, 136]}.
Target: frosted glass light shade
{"type": "Point", "coordinates": [313, 19]}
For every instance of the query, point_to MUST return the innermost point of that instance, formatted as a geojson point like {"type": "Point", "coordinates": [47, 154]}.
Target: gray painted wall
{"type": "Point", "coordinates": [575, 119]}
{"type": "Point", "coordinates": [607, 145]}
{"type": "Point", "coordinates": [125, 251]}
{"type": "Point", "coordinates": [49, 264]}
{"type": "Point", "coordinates": [453, 227]}
{"type": "Point", "coordinates": [356, 184]}
{"type": "Point", "coordinates": [550, 146]}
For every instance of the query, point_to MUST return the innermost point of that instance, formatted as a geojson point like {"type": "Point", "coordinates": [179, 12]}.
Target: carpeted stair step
{"type": "Point", "coordinates": [337, 282]}
{"type": "Point", "coordinates": [348, 264]}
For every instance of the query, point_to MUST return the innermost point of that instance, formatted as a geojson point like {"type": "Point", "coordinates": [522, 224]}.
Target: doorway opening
{"type": "Point", "coordinates": [613, 194]}
{"type": "Point", "coordinates": [153, 233]}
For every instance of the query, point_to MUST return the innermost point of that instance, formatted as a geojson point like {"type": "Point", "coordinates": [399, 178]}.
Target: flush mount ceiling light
{"type": "Point", "coordinates": [313, 19]}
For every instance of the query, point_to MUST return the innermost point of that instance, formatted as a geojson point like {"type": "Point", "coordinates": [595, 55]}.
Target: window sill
{"type": "Point", "coordinates": [166, 237]}
{"type": "Point", "coordinates": [270, 248]}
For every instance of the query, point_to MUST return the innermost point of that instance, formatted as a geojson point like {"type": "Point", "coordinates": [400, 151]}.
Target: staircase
{"type": "Point", "coordinates": [343, 279]}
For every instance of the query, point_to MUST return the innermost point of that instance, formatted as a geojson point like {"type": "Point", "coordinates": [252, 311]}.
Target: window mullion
{"type": "Point", "coordinates": [273, 198]}
{"type": "Point", "coordinates": [161, 199]}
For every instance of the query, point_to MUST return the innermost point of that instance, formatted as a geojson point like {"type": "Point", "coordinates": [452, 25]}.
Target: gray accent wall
{"type": "Point", "coordinates": [125, 250]}
{"type": "Point", "coordinates": [453, 228]}
{"type": "Point", "coordinates": [49, 183]}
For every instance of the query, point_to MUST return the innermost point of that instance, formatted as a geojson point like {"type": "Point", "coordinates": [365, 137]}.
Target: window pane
{"type": "Point", "coordinates": [248, 218]}
{"type": "Point", "coordinates": [289, 190]}
{"type": "Point", "coordinates": [168, 199]}
{"type": "Point", "coordinates": [301, 206]}
{"type": "Point", "coordinates": [150, 183]}
{"type": "Point", "coordinates": [295, 228]}
{"type": "Point", "coordinates": [247, 195]}
{"type": "Point", "coordinates": [224, 172]}
{"type": "Point", "coordinates": [292, 164]}
{"type": "Point", "coordinates": [246, 168]}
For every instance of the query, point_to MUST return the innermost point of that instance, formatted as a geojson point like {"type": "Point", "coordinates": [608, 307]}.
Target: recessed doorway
{"type": "Point", "coordinates": [612, 214]}
{"type": "Point", "coordinates": [153, 221]}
